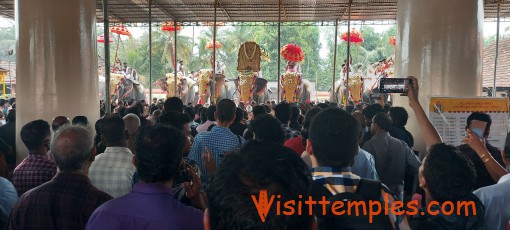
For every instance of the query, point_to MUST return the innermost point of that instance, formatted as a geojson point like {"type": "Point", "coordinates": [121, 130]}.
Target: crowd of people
{"type": "Point", "coordinates": [166, 165]}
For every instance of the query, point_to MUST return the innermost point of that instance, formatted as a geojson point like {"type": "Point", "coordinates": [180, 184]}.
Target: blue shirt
{"type": "Point", "coordinates": [148, 206]}
{"type": "Point", "coordinates": [364, 165]}
{"type": "Point", "coordinates": [219, 140]}
{"type": "Point", "coordinates": [8, 197]}
{"type": "Point", "coordinates": [496, 199]}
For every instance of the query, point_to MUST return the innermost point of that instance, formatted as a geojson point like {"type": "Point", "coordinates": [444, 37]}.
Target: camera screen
{"type": "Point", "coordinates": [393, 85]}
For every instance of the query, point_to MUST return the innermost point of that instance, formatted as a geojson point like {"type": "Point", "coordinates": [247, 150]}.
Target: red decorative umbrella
{"type": "Point", "coordinates": [393, 41]}
{"type": "Point", "coordinates": [356, 36]}
{"type": "Point", "coordinates": [210, 46]}
{"type": "Point", "coordinates": [292, 52]}
{"type": "Point", "coordinates": [120, 30]}
{"type": "Point", "coordinates": [100, 38]}
{"type": "Point", "coordinates": [170, 27]}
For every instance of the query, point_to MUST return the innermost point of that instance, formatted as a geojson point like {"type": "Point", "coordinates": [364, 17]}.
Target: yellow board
{"type": "Point", "coordinates": [453, 105]}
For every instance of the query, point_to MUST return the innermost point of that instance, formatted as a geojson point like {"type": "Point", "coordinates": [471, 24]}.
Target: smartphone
{"type": "Point", "coordinates": [478, 127]}
{"type": "Point", "coordinates": [394, 85]}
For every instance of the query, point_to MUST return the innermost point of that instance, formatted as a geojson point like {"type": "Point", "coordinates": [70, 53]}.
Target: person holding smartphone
{"type": "Point", "coordinates": [478, 125]}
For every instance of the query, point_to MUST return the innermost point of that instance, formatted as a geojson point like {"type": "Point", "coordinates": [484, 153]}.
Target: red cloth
{"type": "Point", "coordinates": [296, 144]}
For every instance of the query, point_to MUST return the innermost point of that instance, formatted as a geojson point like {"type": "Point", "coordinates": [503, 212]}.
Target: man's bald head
{"type": "Point", "coordinates": [72, 146]}
{"type": "Point", "coordinates": [59, 122]}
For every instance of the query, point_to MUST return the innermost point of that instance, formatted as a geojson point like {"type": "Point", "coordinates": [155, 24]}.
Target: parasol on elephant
{"type": "Point", "coordinates": [291, 79]}
{"type": "Point", "coordinates": [356, 88]}
{"type": "Point", "coordinates": [171, 84]}
{"type": "Point", "coordinates": [205, 76]}
{"type": "Point", "coordinates": [248, 65]}
{"type": "Point", "coordinates": [246, 80]}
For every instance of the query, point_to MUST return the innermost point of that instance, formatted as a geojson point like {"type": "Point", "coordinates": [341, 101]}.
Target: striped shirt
{"type": "Point", "coordinates": [112, 171]}
{"type": "Point", "coordinates": [32, 172]}
{"type": "Point", "coordinates": [341, 180]}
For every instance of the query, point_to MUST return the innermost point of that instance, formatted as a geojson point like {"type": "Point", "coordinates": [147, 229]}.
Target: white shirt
{"type": "Point", "coordinates": [496, 199]}
{"type": "Point", "coordinates": [112, 171]}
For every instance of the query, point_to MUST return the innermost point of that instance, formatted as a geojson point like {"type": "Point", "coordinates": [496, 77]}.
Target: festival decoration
{"type": "Point", "coordinates": [265, 54]}
{"type": "Point", "coordinates": [356, 36]}
{"type": "Point", "coordinates": [210, 46]}
{"type": "Point", "coordinates": [120, 30]}
{"type": "Point", "coordinates": [170, 27]}
{"type": "Point", "coordinates": [212, 24]}
{"type": "Point", "coordinates": [292, 52]}
{"type": "Point", "coordinates": [101, 39]}
{"type": "Point", "coordinates": [392, 41]}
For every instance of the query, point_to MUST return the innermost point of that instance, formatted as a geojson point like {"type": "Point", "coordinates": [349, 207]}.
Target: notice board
{"type": "Point", "coordinates": [449, 116]}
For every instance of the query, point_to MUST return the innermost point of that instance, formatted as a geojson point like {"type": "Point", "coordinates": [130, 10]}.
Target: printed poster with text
{"type": "Point", "coordinates": [449, 116]}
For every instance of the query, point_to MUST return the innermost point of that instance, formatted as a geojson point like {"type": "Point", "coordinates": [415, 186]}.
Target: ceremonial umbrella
{"type": "Point", "coordinates": [119, 30]}
{"type": "Point", "coordinates": [171, 27]}
{"type": "Point", "coordinates": [210, 46]}
{"type": "Point", "coordinates": [292, 52]}
{"type": "Point", "coordinates": [356, 36]}
{"type": "Point", "coordinates": [392, 41]}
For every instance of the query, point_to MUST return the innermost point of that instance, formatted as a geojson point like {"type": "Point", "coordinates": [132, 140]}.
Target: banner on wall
{"type": "Point", "coordinates": [449, 116]}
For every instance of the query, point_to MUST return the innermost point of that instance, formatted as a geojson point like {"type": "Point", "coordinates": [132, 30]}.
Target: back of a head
{"type": "Point", "coordinates": [479, 116]}
{"type": "Point", "coordinates": [239, 115]}
{"type": "Point", "coordinates": [323, 105]}
{"type": "Point", "coordinates": [258, 166]}
{"type": "Point", "coordinates": [210, 113]}
{"type": "Point", "coordinates": [383, 120]}
{"type": "Point", "coordinates": [399, 116]}
{"type": "Point", "coordinates": [112, 128]}
{"type": "Point", "coordinates": [153, 108]}
{"type": "Point", "coordinates": [449, 174]}
{"type": "Point", "coordinates": [173, 104]}
{"type": "Point", "coordinates": [258, 110]}
{"type": "Point", "coordinates": [334, 136]}
{"type": "Point", "coordinates": [295, 114]}
{"type": "Point", "coordinates": [226, 110]}
{"type": "Point", "coordinates": [58, 122]}
{"type": "Point", "coordinates": [134, 110]}
{"type": "Point", "coordinates": [71, 147]}
{"type": "Point", "coordinates": [175, 119]}
{"type": "Point", "coordinates": [132, 123]}
{"type": "Point", "coordinates": [35, 134]}
{"type": "Point", "coordinates": [371, 110]}
{"type": "Point", "coordinates": [2, 102]}
{"type": "Point", "coordinates": [11, 116]}
{"type": "Point", "coordinates": [283, 112]}
{"type": "Point", "coordinates": [190, 112]}
{"type": "Point", "coordinates": [306, 123]}
{"type": "Point", "coordinates": [80, 120]}
{"type": "Point", "coordinates": [203, 114]}
{"type": "Point", "coordinates": [158, 153]}
{"type": "Point", "coordinates": [267, 128]}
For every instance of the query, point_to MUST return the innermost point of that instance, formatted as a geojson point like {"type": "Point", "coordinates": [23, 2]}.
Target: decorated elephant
{"type": "Point", "coordinates": [223, 88]}
{"type": "Point", "coordinates": [185, 89]}
{"type": "Point", "coordinates": [130, 88]}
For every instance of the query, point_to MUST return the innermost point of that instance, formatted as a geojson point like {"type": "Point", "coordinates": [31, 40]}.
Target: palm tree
{"type": "Point", "coordinates": [165, 41]}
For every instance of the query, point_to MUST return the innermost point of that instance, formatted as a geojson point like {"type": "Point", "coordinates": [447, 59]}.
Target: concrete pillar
{"type": "Point", "coordinates": [56, 62]}
{"type": "Point", "coordinates": [440, 43]}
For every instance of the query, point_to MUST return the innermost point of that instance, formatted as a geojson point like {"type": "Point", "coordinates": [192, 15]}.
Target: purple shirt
{"type": "Point", "coordinates": [148, 206]}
